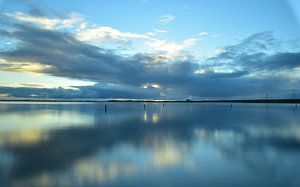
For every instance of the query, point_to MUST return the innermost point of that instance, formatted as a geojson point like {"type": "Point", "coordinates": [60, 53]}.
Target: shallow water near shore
{"type": "Point", "coordinates": [171, 144]}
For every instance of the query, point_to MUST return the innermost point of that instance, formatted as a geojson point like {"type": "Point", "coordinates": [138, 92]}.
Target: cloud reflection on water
{"type": "Point", "coordinates": [185, 143]}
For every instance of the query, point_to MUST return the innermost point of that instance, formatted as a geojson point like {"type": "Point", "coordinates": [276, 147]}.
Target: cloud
{"type": "Point", "coordinates": [60, 54]}
{"type": "Point", "coordinates": [160, 30]}
{"type": "Point", "coordinates": [155, 86]}
{"type": "Point", "coordinates": [95, 91]}
{"type": "Point", "coordinates": [167, 19]}
{"type": "Point", "coordinates": [156, 32]}
{"type": "Point", "coordinates": [259, 52]}
{"type": "Point", "coordinates": [171, 49]}
{"type": "Point", "coordinates": [248, 68]}
{"type": "Point", "coordinates": [190, 42]}
{"type": "Point", "coordinates": [45, 22]}
{"type": "Point", "coordinates": [203, 33]}
{"type": "Point", "coordinates": [102, 34]}
{"type": "Point", "coordinates": [22, 66]}
{"type": "Point", "coordinates": [165, 46]}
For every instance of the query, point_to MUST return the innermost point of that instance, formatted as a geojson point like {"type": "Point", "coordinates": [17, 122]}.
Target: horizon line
{"type": "Point", "coordinates": [283, 101]}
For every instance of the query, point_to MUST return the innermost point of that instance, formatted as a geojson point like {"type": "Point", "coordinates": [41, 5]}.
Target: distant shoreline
{"type": "Point", "coordinates": [279, 101]}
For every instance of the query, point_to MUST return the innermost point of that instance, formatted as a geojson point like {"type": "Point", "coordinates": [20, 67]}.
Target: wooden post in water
{"type": "Point", "coordinates": [267, 101]}
{"type": "Point", "coordinates": [293, 110]}
{"type": "Point", "coordinates": [294, 99]}
{"type": "Point", "coordinates": [144, 106]}
{"type": "Point", "coordinates": [163, 105]}
{"type": "Point", "coordinates": [105, 108]}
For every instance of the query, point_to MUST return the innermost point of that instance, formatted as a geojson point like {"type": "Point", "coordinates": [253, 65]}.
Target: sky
{"type": "Point", "coordinates": [149, 49]}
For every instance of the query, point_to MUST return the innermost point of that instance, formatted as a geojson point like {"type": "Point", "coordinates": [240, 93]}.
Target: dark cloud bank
{"type": "Point", "coordinates": [255, 66]}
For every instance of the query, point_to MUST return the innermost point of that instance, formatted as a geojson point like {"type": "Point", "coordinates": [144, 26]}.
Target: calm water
{"type": "Point", "coordinates": [78, 144]}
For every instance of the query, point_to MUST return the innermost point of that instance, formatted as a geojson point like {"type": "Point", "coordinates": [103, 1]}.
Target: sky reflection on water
{"type": "Point", "coordinates": [78, 144]}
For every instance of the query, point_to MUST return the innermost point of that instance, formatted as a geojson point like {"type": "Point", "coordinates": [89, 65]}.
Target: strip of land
{"type": "Point", "coordinates": [283, 101]}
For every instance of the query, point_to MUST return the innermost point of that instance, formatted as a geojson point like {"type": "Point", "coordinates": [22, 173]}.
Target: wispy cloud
{"type": "Point", "coordinates": [202, 33]}
{"type": "Point", "coordinates": [156, 32]}
{"type": "Point", "coordinates": [100, 34]}
{"type": "Point", "coordinates": [160, 31]}
{"type": "Point", "coordinates": [167, 18]}
{"type": "Point", "coordinates": [48, 23]}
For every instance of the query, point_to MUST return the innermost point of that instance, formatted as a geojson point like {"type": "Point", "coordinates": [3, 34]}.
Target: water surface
{"type": "Point", "coordinates": [178, 144]}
